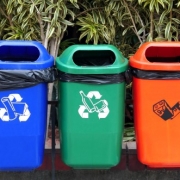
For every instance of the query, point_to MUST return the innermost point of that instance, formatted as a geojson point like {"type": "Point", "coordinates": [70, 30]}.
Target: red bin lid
{"type": "Point", "coordinates": [162, 56]}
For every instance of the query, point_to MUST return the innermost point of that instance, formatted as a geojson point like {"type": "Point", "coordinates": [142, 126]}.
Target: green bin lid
{"type": "Point", "coordinates": [91, 59]}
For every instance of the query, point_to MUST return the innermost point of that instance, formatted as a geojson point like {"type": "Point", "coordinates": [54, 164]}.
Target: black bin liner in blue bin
{"type": "Point", "coordinates": [17, 69]}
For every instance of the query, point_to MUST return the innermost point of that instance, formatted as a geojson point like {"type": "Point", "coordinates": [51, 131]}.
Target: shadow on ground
{"type": "Point", "coordinates": [93, 175]}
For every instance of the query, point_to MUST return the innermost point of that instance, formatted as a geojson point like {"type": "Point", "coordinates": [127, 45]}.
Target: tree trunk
{"type": "Point", "coordinates": [151, 25]}
{"type": "Point", "coordinates": [52, 51]}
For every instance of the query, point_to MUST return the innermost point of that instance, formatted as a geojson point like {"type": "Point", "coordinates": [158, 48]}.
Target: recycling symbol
{"type": "Point", "coordinates": [100, 107]}
{"type": "Point", "coordinates": [14, 108]}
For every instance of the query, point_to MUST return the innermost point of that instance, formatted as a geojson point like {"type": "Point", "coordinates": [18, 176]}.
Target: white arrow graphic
{"type": "Point", "coordinates": [100, 107]}
{"type": "Point", "coordinates": [25, 116]}
{"type": "Point", "coordinates": [81, 110]}
{"type": "Point", "coordinates": [104, 113]}
{"type": "Point", "coordinates": [2, 112]}
{"type": "Point", "coordinates": [15, 96]}
{"type": "Point", "coordinates": [96, 94]}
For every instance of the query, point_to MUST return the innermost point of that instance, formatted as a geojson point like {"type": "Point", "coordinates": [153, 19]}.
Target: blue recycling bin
{"type": "Point", "coordinates": [23, 104]}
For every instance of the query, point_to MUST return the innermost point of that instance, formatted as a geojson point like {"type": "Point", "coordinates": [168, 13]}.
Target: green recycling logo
{"type": "Point", "coordinates": [100, 107]}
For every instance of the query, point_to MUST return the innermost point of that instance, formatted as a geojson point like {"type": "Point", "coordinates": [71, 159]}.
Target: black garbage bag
{"type": "Point", "coordinates": [13, 79]}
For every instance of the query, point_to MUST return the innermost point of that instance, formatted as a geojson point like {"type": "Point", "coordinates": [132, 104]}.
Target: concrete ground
{"type": "Point", "coordinates": [93, 175]}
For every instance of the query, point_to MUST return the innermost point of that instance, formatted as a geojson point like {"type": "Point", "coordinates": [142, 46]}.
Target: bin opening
{"type": "Point", "coordinates": [94, 58]}
{"type": "Point", "coordinates": [19, 53]}
{"type": "Point", "coordinates": [163, 54]}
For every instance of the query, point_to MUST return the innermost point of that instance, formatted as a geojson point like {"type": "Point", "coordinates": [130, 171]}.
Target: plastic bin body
{"type": "Point", "coordinates": [91, 140]}
{"type": "Point", "coordinates": [156, 104]}
{"type": "Point", "coordinates": [23, 111]}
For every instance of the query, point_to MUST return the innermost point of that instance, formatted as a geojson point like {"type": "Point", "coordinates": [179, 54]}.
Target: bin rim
{"type": "Point", "coordinates": [44, 61]}
{"type": "Point", "coordinates": [65, 63]}
{"type": "Point", "coordinates": [139, 60]}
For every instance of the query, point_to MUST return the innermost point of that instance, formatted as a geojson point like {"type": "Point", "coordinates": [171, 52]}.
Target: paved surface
{"type": "Point", "coordinates": [93, 175]}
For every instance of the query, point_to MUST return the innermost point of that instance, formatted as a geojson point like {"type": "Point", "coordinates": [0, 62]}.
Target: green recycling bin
{"type": "Point", "coordinates": [91, 105]}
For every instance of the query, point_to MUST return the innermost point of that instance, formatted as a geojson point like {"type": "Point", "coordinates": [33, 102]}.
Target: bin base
{"type": "Point", "coordinates": [92, 167]}
{"type": "Point", "coordinates": [18, 169]}
{"type": "Point", "coordinates": [91, 151]}
{"type": "Point", "coordinates": [21, 153]}
{"type": "Point", "coordinates": [163, 166]}
{"type": "Point", "coordinates": [100, 168]}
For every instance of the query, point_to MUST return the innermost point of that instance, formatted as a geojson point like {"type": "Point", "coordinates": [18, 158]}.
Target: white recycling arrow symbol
{"type": "Point", "coordinates": [96, 94]}
{"type": "Point", "coordinates": [100, 107]}
{"type": "Point", "coordinates": [14, 108]}
{"type": "Point", "coordinates": [82, 113]}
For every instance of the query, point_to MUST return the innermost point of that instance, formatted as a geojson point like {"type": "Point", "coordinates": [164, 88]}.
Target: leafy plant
{"type": "Point", "coordinates": [129, 133]}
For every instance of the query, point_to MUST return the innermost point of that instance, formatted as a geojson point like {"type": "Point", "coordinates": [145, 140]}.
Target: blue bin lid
{"type": "Point", "coordinates": [26, 55]}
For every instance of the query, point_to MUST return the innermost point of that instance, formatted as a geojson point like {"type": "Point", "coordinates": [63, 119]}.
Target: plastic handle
{"type": "Point", "coordinates": [43, 54]}
{"type": "Point", "coordinates": [76, 48]}
{"type": "Point", "coordinates": [140, 61]}
{"type": "Point", "coordinates": [65, 62]}
{"type": "Point", "coordinates": [68, 53]}
{"type": "Point", "coordinates": [147, 45]}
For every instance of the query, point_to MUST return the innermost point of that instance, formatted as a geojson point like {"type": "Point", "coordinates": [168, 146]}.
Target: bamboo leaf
{"type": "Point", "coordinates": [159, 39]}
{"type": "Point", "coordinates": [167, 30]}
{"type": "Point", "coordinates": [58, 28]}
{"type": "Point", "coordinates": [161, 19]}
{"type": "Point", "coordinates": [125, 31]}
{"type": "Point", "coordinates": [95, 17]}
{"type": "Point", "coordinates": [170, 36]}
{"type": "Point", "coordinates": [175, 38]}
{"type": "Point", "coordinates": [71, 13]}
{"type": "Point", "coordinates": [176, 20]}
{"type": "Point", "coordinates": [149, 37]}
{"type": "Point", "coordinates": [46, 19]}
{"type": "Point", "coordinates": [56, 14]}
{"type": "Point", "coordinates": [141, 30]}
{"type": "Point", "coordinates": [31, 10]}
{"type": "Point", "coordinates": [21, 16]}
{"type": "Point", "coordinates": [19, 9]}
{"type": "Point", "coordinates": [102, 19]}
{"type": "Point", "coordinates": [178, 4]}
{"type": "Point", "coordinates": [24, 24]}
{"type": "Point", "coordinates": [51, 31]}
{"type": "Point", "coordinates": [83, 34]}
{"type": "Point", "coordinates": [28, 36]}
{"type": "Point", "coordinates": [50, 7]}
{"type": "Point", "coordinates": [3, 22]}
{"type": "Point", "coordinates": [176, 10]}
{"type": "Point", "coordinates": [68, 23]}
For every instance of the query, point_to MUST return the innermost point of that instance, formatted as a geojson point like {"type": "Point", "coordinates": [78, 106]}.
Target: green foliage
{"type": "Point", "coordinates": [94, 30]}
{"type": "Point", "coordinates": [42, 20]}
{"type": "Point", "coordinates": [129, 132]}
{"type": "Point", "coordinates": [96, 22]}
{"type": "Point", "coordinates": [154, 4]}
{"type": "Point", "coordinates": [126, 23]}
{"type": "Point", "coordinates": [65, 44]}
